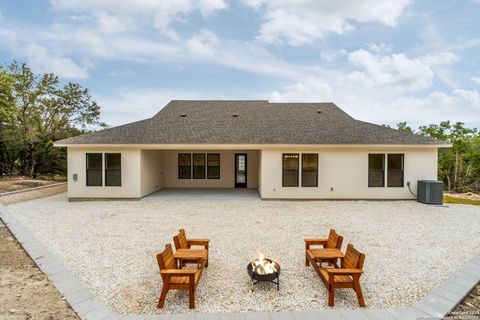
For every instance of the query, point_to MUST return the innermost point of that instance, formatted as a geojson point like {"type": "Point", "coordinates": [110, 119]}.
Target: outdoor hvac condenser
{"type": "Point", "coordinates": [430, 191]}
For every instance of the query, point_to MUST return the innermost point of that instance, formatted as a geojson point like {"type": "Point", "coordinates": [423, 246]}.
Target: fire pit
{"type": "Point", "coordinates": [264, 270]}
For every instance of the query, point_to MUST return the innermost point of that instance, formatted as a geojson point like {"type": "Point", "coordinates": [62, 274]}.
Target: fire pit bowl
{"type": "Point", "coordinates": [264, 270]}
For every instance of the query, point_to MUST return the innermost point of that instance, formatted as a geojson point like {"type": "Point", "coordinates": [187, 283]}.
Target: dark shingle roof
{"type": "Point", "coordinates": [258, 122]}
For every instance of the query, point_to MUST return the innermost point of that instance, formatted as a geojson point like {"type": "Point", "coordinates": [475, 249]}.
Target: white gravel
{"type": "Point", "coordinates": [111, 247]}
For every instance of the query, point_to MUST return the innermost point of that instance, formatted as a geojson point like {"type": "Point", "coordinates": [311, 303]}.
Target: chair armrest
{"type": "Point", "coordinates": [178, 272]}
{"type": "Point", "coordinates": [344, 271]}
{"type": "Point", "coordinates": [318, 242]}
{"type": "Point", "coordinates": [198, 242]}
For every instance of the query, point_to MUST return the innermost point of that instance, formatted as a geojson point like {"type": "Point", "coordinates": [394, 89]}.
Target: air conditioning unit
{"type": "Point", "coordinates": [430, 191]}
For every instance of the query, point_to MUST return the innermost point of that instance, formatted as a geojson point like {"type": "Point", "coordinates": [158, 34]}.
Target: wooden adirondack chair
{"type": "Point", "coordinates": [177, 279]}
{"type": "Point", "coordinates": [347, 276]}
{"type": "Point", "coordinates": [334, 241]}
{"type": "Point", "coordinates": [182, 242]}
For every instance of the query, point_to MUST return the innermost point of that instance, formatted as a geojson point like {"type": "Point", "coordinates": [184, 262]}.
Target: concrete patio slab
{"type": "Point", "coordinates": [204, 194]}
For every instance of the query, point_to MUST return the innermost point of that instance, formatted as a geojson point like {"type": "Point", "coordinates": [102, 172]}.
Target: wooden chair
{"type": "Point", "coordinates": [182, 242]}
{"type": "Point", "coordinates": [334, 241]}
{"type": "Point", "coordinates": [177, 279]}
{"type": "Point", "coordinates": [347, 276]}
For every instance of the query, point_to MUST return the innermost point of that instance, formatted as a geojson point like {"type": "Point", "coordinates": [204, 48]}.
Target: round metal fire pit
{"type": "Point", "coordinates": [268, 277]}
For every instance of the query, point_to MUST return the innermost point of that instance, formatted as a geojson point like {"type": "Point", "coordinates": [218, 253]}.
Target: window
{"type": "Point", "coordinates": [290, 170]}
{"type": "Point", "coordinates": [94, 169]}
{"type": "Point", "coordinates": [198, 166]}
{"type": "Point", "coordinates": [184, 166]}
{"type": "Point", "coordinates": [395, 170]}
{"type": "Point", "coordinates": [113, 169]}
{"type": "Point", "coordinates": [213, 166]}
{"type": "Point", "coordinates": [376, 170]}
{"type": "Point", "coordinates": [309, 170]}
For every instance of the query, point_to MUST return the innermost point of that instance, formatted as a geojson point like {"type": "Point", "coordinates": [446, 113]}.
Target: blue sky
{"type": "Point", "coordinates": [381, 61]}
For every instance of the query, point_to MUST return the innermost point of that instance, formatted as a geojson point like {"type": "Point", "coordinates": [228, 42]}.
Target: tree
{"type": "Point", "coordinates": [44, 111]}
{"type": "Point", "coordinates": [402, 126]}
{"type": "Point", "coordinates": [459, 166]}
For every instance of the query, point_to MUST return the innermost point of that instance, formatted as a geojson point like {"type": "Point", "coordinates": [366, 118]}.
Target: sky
{"type": "Point", "coordinates": [381, 61]}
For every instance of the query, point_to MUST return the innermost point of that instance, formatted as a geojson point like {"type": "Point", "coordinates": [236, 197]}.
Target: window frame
{"type": "Point", "coordinates": [310, 170]}
{"type": "Point", "coordinates": [383, 170]}
{"type": "Point", "coordinates": [107, 170]}
{"type": "Point", "coordinates": [284, 170]}
{"type": "Point", "coordinates": [87, 154]}
{"type": "Point", "coordinates": [402, 170]}
{"type": "Point", "coordinates": [204, 165]}
{"type": "Point", "coordinates": [189, 167]}
{"type": "Point", "coordinates": [208, 166]}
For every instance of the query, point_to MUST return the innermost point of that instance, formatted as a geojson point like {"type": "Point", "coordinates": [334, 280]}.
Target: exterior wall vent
{"type": "Point", "coordinates": [235, 115]}
{"type": "Point", "coordinates": [319, 111]}
{"type": "Point", "coordinates": [183, 115]}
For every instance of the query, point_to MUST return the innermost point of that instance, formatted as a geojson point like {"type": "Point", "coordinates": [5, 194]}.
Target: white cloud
{"type": "Point", "coordinates": [42, 58]}
{"type": "Point", "coordinates": [113, 13]}
{"type": "Point", "coordinates": [387, 89]}
{"type": "Point", "coordinates": [300, 22]}
{"type": "Point", "coordinates": [131, 104]}
{"type": "Point", "coordinates": [476, 80]}
{"type": "Point", "coordinates": [202, 44]}
{"type": "Point", "coordinates": [397, 71]}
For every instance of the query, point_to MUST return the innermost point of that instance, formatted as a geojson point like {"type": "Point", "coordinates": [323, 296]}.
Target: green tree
{"type": "Point", "coordinates": [44, 111]}
{"type": "Point", "coordinates": [458, 166]}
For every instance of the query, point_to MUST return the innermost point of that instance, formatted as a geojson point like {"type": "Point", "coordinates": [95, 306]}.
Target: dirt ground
{"type": "Point", "coordinates": [26, 292]}
{"type": "Point", "coordinates": [19, 183]}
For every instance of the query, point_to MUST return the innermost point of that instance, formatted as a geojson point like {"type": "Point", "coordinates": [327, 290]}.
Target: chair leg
{"type": "Point", "coordinates": [163, 296]}
{"type": "Point", "coordinates": [358, 291]}
{"type": "Point", "coordinates": [331, 296]}
{"type": "Point", "coordinates": [191, 296]}
{"type": "Point", "coordinates": [307, 262]}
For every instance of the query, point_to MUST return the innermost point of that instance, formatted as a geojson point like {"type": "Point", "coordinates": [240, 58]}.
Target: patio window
{"type": "Point", "coordinates": [376, 170]}
{"type": "Point", "coordinates": [395, 170]}
{"type": "Point", "coordinates": [113, 169]}
{"type": "Point", "coordinates": [213, 166]}
{"type": "Point", "coordinates": [184, 166]}
{"type": "Point", "coordinates": [198, 166]}
{"type": "Point", "coordinates": [94, 169]}
{"type": "Point", "coordinates": [290, 170]}
{"type": "Point", "coordinates": [309, 170]}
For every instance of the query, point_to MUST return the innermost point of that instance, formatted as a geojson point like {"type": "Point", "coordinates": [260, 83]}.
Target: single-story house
{"type": "Point", "coordinates": [284, 150]}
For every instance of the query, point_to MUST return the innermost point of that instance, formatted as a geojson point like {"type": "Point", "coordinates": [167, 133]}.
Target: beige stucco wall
{"type": "Point", "coordinates": [152, 171]}
{"type": "Point", "coordinates": [343, 169]}
{"type": "Point", "coordinates": [131, 164]}
{"type": "Point", "coordinates": [346, 171]}
{"type": "Point", "coordinates": [227, 170]}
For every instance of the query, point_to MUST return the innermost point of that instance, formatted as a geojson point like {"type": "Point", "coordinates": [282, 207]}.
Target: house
{"type": "Point", "coordinates": [284, 150]}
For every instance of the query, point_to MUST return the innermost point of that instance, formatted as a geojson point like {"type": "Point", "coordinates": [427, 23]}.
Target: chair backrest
{"type": "Point", "coordinates": [334, 240]}
{"type": "Point", "coordinates": [354, 259]}
{"type": "Point", "coordinates": [180, 240]}
{"type": "Point", "coordinates": [165, 259]}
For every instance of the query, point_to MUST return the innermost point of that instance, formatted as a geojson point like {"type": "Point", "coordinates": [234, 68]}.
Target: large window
{"type": "Point", "coordinates": [290, 170]}
{"type": "Point", "coordinates": [309, 170]}
{"type": "Point", "coordinates": [376, 170]}
{"type": "Point", "coordinates": [198, 166]}
{"type": "Point", "coordinates": [184, 166]}
{"type": "Point", "coordinates": [395, 170]}
{"type": "Point", "coordinates": [94, 169]}
{"type": "Point", "coordinates": [113, 169]}
{"type": "Point", "coordinates": [213, 166]}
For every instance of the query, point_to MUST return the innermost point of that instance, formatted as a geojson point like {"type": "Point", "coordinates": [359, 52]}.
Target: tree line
{"type": "Point", "coordinates": [458, 166]}
{"type": "Point", "coordinates": [37, 109]}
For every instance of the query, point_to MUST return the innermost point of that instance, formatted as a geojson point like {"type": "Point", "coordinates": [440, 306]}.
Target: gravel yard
{"type": "Point", "coordinates": [111, 247]}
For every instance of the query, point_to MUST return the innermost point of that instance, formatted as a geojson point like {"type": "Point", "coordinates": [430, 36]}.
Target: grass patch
{"type": "Point", "coordinates": [450, 199]}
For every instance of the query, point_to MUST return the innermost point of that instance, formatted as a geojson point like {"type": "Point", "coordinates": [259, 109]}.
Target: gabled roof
{"type": "Point", "coordinates": [249, 122]}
